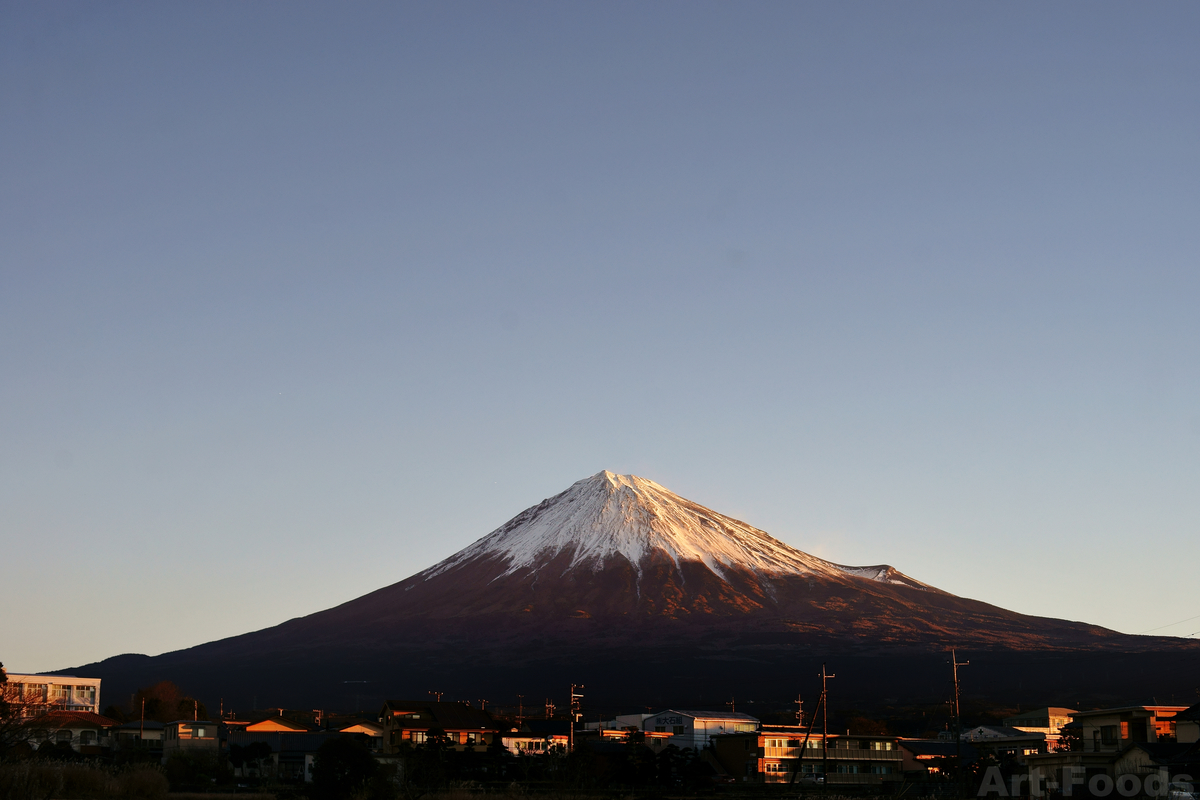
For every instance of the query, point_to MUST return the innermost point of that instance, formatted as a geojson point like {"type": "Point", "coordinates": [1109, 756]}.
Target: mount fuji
{"type": "Point", "coordinates": [623, 582]}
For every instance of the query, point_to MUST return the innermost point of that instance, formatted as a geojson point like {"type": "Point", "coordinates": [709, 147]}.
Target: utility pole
{"type": "Point", "coordinates": [807, 734]}
{"type": "Point", "coordinates": [732, 705]}
{"type": "Point", "coordinates": [825, 676]}
{"type": "Point", "coordinates": [142, 729]}
{"type": "Point", "coordinates": [957, 722]}
{"type": "Point", "coordinates": [436, 695]}
{"type": "Point", "coordinates": [549, 708]}
{"type": "Point", "coordinates": [799, 701]}
{"type": "Point", "coordinates": [483, 705]}
{"type": "Point", "coordinates": [520, 707]}
{"type": "Point", "coordinates": [574, 717]}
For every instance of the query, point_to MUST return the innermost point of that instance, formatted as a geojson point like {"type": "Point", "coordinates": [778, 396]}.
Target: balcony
{"type": "Point", "coordinates": [837, 754]}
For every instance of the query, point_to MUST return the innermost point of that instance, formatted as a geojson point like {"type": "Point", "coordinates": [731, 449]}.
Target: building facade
{"type": "Point", "coordinates": [697, 729]}
{"type": "Point", "coordinates": [37, 694]}
{"type": "Point", "coordinates": [1048, 721]}
{"type": "Point", "coordinates": [789, 754]}
{"type": "Point", "coordinates": [458, 725]}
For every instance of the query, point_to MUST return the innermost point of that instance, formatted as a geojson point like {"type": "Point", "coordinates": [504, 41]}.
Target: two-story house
{"type": "Point", "coordinates": [413, 723]}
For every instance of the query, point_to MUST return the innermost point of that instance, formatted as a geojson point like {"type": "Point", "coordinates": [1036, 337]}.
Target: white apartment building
{"type": "Point", "coordinates": [38, 693]}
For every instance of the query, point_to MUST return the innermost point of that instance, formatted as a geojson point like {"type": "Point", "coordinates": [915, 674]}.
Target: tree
{"type": "Point", "coordinates": [166, 702]}
{"type": "Point", "coordinates": [15, 723]}
{"type": "Point", "coordinates": [342, 767]}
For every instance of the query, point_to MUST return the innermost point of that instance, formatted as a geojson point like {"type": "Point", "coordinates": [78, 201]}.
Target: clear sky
{"type": "Point", "coordinates": [299, 299]}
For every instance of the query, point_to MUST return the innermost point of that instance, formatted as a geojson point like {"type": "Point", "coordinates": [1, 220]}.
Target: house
{"type": "Point", "coordinates": [925, 757]}
{"type": "Point", "coordinates": [372, 730]}
{"type": "Point", "coordinates": [610, 738]}
{"type": "Point", "coordinates": [287, 756]}
{"type": "Point", "coordinates": [412, 723]}
{"type": "Point", "coordinates": [277, 725]}
{"type": "Point", "coordinates": [139, 735]}
{"type": "Point", "coordinates": [1105, 737]}
{"type": "Point", "coordinates": [190, 736]}
{"type": "Point", "coordinates": [1187, 725]}
{"type": "Point", "coordinates": [36, 694]}
{"type": "Point", "coordinates": [1048, 721]}
{"type": "Point", "coordinates": [695, 729]}
{"type": "Point", "coordinates": [1163, 759]}
{"type": "Point", "coordinates": [1004, 742]}
{"type": "Point", "coordinates": [537, 736]}
{"type": "Point", "coordinates": [1111, 730]}
{"type": "Point", "coordinates": [790, 754]}
{"type": "Point", "coordinates": [85, 732]}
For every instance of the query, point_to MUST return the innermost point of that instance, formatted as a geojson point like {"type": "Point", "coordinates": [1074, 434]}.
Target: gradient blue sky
{"type": "Point", "coordinates": [299, 299]}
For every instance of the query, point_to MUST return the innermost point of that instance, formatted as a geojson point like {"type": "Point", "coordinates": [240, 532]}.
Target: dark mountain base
{"type": "Point", "coordinates": [659, 675]}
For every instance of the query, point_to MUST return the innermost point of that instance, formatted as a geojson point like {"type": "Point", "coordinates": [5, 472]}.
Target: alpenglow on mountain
{"type": "Point", "coordinates": [620, 579]}
{"type": "Point", "coordinates": [611, 517]}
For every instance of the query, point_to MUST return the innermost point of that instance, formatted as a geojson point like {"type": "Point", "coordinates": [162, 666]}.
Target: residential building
{"type": "Point", "coordinates": [1004, 742]}
{"type": "Point", "coordinates": [291, 754]}
{"type": "Point", "coordinates": [789, 754]}
{"type": "Point", "coordinates": [139, 735]}
{"type": "Point", "coordinates": [1106, 736]}
{"type": "Point", "coordinates": [372, 730]}
{"type": "Point", "coordinates": [1048, 721]}
{"type": "Point", "coordinates": [1187, 725]}
{"type": "Point", "coordinates": [927, 757]}
{"type": "Point", "coordinates": [36, 694]}
{"type": "Point", "coordinates": [190, 736]}
{"type": "Point", "coordinates": [695, 729]}
{"type": "Point", "coordinates": [412, 723]}
{"type": "Point", "coordinates": [277, 725]}
{"type": "Point", "coordinates": [1110, 730]}
{"type": "Point", "coordinates": [87, 733]}
{"type": "Point", "coordinates": [536, 736]}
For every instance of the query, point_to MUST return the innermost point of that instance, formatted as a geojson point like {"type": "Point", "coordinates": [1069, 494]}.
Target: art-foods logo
{"type": "Point", "coordinates": [1157, 784]}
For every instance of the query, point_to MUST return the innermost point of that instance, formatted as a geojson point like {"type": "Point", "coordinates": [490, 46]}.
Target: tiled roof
{"type": "Point", "coordinates": [74, 719]}
{"type": "Point", "coordinates": [937, 748]}
{"type": "Point", "coordinates": [447, 716]}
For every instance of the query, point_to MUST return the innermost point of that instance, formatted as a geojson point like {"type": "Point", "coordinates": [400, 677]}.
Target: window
{"type": "Point", "coordinates": [418, 737]}
{"type": "Point", "coordinates": [1108, 734]}
{"type": "Point", "coordinates": [197, 733]}
{"type": "Point", "coordinates": [87, 737]}
{"type": "Point", "coordinates": [677, 730]}
{"type": "Point", "coordinates": [660, 729]}
{"type": "Point", "coordinates": [63, 736]}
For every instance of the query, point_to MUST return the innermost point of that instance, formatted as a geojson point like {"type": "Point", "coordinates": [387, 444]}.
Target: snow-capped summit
{"type": "Point", "coordinates": [611, 516]}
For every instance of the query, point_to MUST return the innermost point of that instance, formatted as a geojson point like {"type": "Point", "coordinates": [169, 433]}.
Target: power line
{"type": "Point", "coordinates": [1160, 627]}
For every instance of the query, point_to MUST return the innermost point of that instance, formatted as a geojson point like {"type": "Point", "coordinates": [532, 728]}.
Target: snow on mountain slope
{"type": "Point", "coordinates": [607, 515]}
